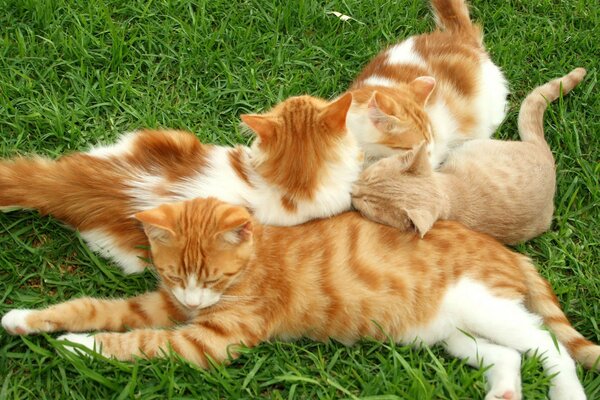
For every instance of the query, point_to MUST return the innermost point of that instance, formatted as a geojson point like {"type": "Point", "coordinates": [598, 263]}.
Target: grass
{"type": "Point", "coordinates": [73, 73]}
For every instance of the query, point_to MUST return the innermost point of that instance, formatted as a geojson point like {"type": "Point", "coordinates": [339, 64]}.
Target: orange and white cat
{"type": "Point", "coordinates": [441, 87]}
{"type": "Point", "coordinates": [502, 188]}
{"type": "Point", "coordinates": [227, 280]}
{"type": "Point", "coordinates": [292, 173]}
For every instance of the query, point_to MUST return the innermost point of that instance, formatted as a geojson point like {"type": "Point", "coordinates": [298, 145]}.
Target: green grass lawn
{"type": "Point", "coordinates": [74, 73]}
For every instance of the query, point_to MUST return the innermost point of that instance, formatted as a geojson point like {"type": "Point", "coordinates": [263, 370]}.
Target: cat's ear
{"type": "Point", "coordinates": [263, 125]}
{"type": "Point", "coordinates": [381, 112]}
{"type": "Point", "coordinates": [420, 163]}
{"type": "Point", "coordinates": [334, 114]}
{"type": "Point", "coordinates": [422, 87]}
{"type": "Point", "coordinates": [423, 220]}
{"type": "Point", "coordinates": [236, 225]}
{"type": "Point", "coordinates": [158, 223]}
{"type": "Point", "coordinates": [382, 103]}
{"type": "Point", "coordinates": [416, 161]}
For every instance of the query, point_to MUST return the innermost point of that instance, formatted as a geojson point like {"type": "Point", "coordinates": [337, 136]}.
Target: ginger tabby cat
{"type": "Point", "coordinates": [227, 280]}
{"type": "Point", "coordinates": [292, 173]}
{"type": "Point", "coordinates": [502, 188]}
{"type": "Point", "coordinates": [441, 87]}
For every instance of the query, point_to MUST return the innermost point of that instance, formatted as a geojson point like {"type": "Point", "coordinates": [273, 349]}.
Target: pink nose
{"type": "Point", "coordinates": [192, 303]}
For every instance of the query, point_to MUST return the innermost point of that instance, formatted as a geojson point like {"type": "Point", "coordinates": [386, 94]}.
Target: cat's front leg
{"type": "Point", "coordinates": [155, 309]}
{"type": "Point", "coordinates": [195, 342]}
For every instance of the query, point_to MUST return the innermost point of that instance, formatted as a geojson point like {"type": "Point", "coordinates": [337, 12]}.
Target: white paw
{"type": "Point", "coordinates": [504, 378]}
{"type": "Point", "coordinates": [15, 322]}
{"type": "Point", "coordinates": [506, 387]}
{"type": "Point", "coordinates": [83, 339]}
{"type": "Point", "coordinates": [504, 392]}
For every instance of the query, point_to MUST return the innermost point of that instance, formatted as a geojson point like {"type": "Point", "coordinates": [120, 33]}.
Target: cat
{"type": "Point", "coordinates": [441, 87]}
{"type": "Point", "coordinates": [502, 188]}
{"type": "Point", "coordinates": [227, 280]}
{"type": "Point", "coordinates": [293, 172]}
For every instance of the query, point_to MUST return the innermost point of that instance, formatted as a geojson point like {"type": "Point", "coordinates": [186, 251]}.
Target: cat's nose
{"type": "Point", "coordinates": [192, 304]}
{"type": "Point", "coordinates": [192, 301]}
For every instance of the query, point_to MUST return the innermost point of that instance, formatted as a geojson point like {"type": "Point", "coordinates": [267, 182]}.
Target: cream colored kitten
{"type": "Point", "coordinates": [502, 188]}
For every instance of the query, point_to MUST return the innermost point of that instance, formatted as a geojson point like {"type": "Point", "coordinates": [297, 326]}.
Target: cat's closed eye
{"type": "Point", "coordinates": [212, 281]}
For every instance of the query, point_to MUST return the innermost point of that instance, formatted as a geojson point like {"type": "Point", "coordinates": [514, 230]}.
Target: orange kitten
{"type": "Point", "coordinates": [292, 173]}
{"type": "Point", "coordinates": [228, 280]}
{"type": "Point", "coordinates": [502, 188]}
{"type": "Point", "coordinates": [440, 87]}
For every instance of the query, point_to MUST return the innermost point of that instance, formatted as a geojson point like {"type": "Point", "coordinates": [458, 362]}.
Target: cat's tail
{"type": "Point", "coordinates": [531, 115]}
{"type": "Point", "coordinates": [542, 300]}
{"type": "Point", "coordinates": [453, 16]}
{"type": "Point", "coordinates": [75, 188]}
{"type": "Point", "coordinates": [106, 185]}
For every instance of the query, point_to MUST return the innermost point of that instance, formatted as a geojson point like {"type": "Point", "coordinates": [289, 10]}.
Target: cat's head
{"type": "Point", "coordinates": [400, 191]}
{"type": "Point", "coordinates": [199, 247]}
{"type": "Point", "coordinates": [389, 121]}
{"type": "Point", "coordinates": [301, 141]}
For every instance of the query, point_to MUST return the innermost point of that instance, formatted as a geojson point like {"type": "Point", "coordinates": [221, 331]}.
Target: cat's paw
{"type": "Point", "coordinates": [506, 388]}
{"type": "Point", "coordinates": [504, 377]}
{"type": "Point", "coordinates": [15, 322]}
{"type": "Point", "coordinates": [503, 394]}
{"type": "Point", "coordinates": [82, 339]}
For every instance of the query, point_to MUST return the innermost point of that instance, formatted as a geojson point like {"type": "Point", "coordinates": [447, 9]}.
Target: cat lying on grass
{"type": "Point", "coordinates": [502, 188]}
{"type": "Point", "coordinates": [292, 173]}
{"type": "Point", "coordinates": [227, 280]}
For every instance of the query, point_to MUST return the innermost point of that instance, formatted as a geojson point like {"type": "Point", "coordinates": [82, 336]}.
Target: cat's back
{"type": "Point", "coordinates": [334, 271]}
{"type": "Point", "coordinates": [506, 188]}
{"type": "Point", "coordinates": [332, 241]}
{"type": "Point", "coordinates": [436, 53]}
{"type": "Point", "coordinates": [350, 240]}
{"type": "Point", "coordinates": [505, 165]}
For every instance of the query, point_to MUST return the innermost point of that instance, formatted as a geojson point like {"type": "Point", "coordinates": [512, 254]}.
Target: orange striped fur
{"type": "Point", "coordinates": [308, 125]}
{"type": "Point", "coordinates": [343, 278]}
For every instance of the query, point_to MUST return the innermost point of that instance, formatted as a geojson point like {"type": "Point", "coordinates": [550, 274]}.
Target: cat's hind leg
{"type": "Point", "coordinates": [127, 246]}
{"type": "Point", "coordinates": [504, 373]}
{"type": "Point", "coordinates": [507, 322]}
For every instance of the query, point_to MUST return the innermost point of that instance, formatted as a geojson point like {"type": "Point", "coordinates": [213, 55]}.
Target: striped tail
{"type": "Point", "coordinates": [531, 115]}
{"type": "Point", "coordinates": [542, 300]}
{"type": "Point", "coordinates": [453, 16]}
{"type": "Point", "coordinates": [70, 188]}
{"type": "Point", "coordinates": [29, 183]}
